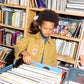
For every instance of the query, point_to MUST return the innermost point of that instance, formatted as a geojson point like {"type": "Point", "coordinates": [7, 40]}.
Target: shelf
{"type": "Point", "coordinates": [66, 37]}
{"type": "Point", "coordinates": [65, 59]}
{"type": "Point", "coordinates": [14, 6]}
{"type": "Point", "coordinates": [37, 9]}
{"type": "Point", "coordinates": [12, 27]}
{"type": "Point", "coordinates": [60, 12]}
{"type": "Point", "coordinates": [7, 46]}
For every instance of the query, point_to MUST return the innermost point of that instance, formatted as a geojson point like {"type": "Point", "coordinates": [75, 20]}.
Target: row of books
{"type": "Point", "coordinates": [64, 65]}
{"type": "Point", "coordinates": [38, 3]}
{"type": "Point", "coordinates": [75, 6]}
{"type": "Point", "coordinates": [9, 36]}
{"type": "Point", "coordinates": [14, 2]}
{"type": "Point", "coordinates": [66, 47]}
{"type": "Point", "coordinates": [4, 52]}
{"type": "Point", "coordinates": [61, 4]}
{"type": "Point", "coordinates": [50, 4]}
{"type": "Point", "coordinates": [66, 5]}
{"type": "Point", "coordinates": [31, 74]}
{"type": "Point", "coordinates": [69, 27]}
{"type": "Point", "coordinates": [14, 17]}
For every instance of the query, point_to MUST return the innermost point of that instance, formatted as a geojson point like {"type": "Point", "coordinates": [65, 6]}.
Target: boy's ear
{"type": "Point", "coordinates": [39, 27]}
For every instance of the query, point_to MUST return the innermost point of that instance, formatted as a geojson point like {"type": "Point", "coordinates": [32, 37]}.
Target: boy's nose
{"type": "Point", "coordinates": [47, 30]}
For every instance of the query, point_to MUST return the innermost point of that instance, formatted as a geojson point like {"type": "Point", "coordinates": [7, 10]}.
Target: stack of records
{"type": "Point", "coordinates": [32, 74]}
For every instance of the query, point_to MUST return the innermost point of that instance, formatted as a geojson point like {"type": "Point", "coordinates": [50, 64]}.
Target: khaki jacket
{"type": "Point", "coordinates": [34, 44]}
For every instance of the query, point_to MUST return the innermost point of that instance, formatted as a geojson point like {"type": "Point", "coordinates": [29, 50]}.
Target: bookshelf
{"type": "Point", "coordinates": [29, 15]}
{"type": "Point", "coordinates": [20, 7]}
{"type": "Point", "coordinates": [60, 57]}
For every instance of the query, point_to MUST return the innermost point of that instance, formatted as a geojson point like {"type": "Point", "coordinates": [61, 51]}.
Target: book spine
{"type": "Point", "coordinates": [78, 28]}
{"type": "Point", "coordinates": [10, 14]}
{"type": "Point", "coordinates": [0, 36]}
{"type": "Point", "coordinates": [43, 3]}
{"type": "Point", "coordinates": [2, 54]}
{"type": "Point", "coordinates": [38, 2]}
{"type": "Point", "coordinates": [14, 36]}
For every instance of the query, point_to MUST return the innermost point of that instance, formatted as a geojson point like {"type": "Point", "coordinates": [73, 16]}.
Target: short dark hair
{"type": "Point", "coordinates": [48, 15]}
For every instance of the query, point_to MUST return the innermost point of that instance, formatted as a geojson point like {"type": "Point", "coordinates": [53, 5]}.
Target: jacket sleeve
{"type": "Point", "coordinates": [22, 45]}
{"type": "Point", "coordinates": [54, 59]}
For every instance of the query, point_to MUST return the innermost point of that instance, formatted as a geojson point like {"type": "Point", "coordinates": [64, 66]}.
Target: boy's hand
{"type": "Point", "coordinates": [26, 57]}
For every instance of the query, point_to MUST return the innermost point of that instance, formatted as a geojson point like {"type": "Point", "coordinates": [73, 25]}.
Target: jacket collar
{"type": "Point", "coordinates": [38, 36]}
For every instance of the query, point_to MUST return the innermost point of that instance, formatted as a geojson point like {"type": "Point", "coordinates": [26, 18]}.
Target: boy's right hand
{"type": "Point", "coordinates": [26, 57]}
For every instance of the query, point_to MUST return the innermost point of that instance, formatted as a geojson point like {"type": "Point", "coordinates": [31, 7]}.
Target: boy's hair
{"type": "Point", "coordinates": [48, 15]}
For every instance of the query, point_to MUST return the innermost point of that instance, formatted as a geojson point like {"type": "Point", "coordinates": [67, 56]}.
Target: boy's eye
{"type": "Point", "coordinates": [45, 28]}
{"type": "Point", "coordinates": [51, 29]}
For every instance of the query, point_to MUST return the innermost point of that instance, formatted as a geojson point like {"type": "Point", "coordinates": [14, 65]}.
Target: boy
{"type": "Point", "coordinates": [40, 47]}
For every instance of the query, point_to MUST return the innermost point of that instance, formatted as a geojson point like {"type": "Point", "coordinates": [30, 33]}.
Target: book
{"type": "Point", "coordinates": [76, 6]}
{"type": "Point", "coordinates": [18, 38]}
{"type": "Point", "coordinates": [49, 4]}
{"type": "Point", "coordinates": [54, 4]}
{"type": "Point", "coordinates": [80, 59]}
{"type": "Point", "coordinates": [69, 47]}
{"type": "Point", "coordinates": [77, 30]}
{"type": "Point", "coordinates": [38, 2]}
{"type": "Point", "coordinates": [64, 47]}
{"type": "Point", "coordinates": [43, 4]}
{"type": "Point", "coordinates": [0, 16]}
{"type": "Point", "coordinates": [58, 41]}
{"type": "Point", "coordinates": [74, 10]}
{"type": "Point", "coordinates": [10, 14]}
{"type": "Point", "coordinates": [75, 76]}
{"type": "Point", "coordinates": [0, 36]}
{"type": "Point", "coordinates": [2, 54]}
{"type": "Point", "coordinates": [14, 37]}
{"type": "Point", "coordinates": [58, 4]}
{"type": "Point", "coordinates": [72, 50]}
{"type": "Point", "coordinates": [76, 1]}
{"type": "Point", "coordinates": [81, 29]}
{"type": "Point", "coordinates": [61, 47]}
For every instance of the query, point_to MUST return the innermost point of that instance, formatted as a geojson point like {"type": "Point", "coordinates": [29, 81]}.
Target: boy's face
{"type": "Point", "coordinates": [46, 28]}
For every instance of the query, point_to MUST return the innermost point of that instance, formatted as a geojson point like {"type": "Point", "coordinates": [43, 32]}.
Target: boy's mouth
{"type": "Point", "coordinates": [46, 35]}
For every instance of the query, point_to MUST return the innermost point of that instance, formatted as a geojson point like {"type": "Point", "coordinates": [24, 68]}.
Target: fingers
{"type": "Point", "coordinates": [27, 59]}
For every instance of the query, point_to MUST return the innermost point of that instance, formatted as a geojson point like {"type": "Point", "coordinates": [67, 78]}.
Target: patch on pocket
{"type": "Point", "coordinates": [34, 52]}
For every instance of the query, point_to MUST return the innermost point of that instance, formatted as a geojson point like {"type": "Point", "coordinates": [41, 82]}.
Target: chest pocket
{"type": "Point", "coordinates": [33, 48]}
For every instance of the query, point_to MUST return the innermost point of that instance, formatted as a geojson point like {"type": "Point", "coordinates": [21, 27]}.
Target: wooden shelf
{"type": "Point", "coordinates": [60, 12]}
{"type": "Point", "coordinates": [13, 6]}
{"type": "Point", "coordinates": [7, 46]}
{"type": "Point", "coordinates": [37, 9]}
{"type": "Point", "coordinates": [65, 58]}
{"type": "Point", "coordinates": [12, 27]}
{"type": "Point", "coordinates": [65, 37]}
{"type": "Point", "coordinates": [24, 30]}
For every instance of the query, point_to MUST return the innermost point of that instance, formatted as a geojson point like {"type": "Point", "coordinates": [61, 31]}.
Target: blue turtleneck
{"type": "Point", "coordinates": [46, 39]}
